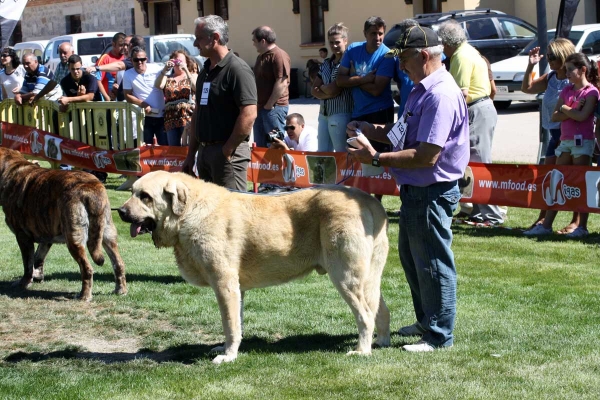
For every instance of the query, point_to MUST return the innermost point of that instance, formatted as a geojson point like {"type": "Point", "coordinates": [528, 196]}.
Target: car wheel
{"type": "Point", "coordinates": [502, 105]}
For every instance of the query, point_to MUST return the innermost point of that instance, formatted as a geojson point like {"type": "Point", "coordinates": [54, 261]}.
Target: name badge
{"type": "Point", "coordinates": [205, 91]}
{"type": "Point", "coordinates": [398, 133]}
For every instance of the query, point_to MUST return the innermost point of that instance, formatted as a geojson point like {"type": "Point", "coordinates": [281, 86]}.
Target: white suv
{"type": "Point", "coordinates": [509, 73]}
{"type": "Point", "coordinates": [86, 45]}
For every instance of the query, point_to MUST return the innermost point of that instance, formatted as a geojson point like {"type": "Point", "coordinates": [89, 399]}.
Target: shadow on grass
{"type": "Point", "coordinates": [469, 230]}
{"type": "Point", "coordinates": [188, 354]}
{"type": "Point", "coordinates": [17, 292]}
{"type": "Point", "coordinates": [109, 277]}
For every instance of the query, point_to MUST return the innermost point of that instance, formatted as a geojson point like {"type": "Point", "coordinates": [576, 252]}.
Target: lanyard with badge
{"type": "Point", "coordinates": [398, 132]}
{"type": "Point", "coordinates": [205, 92]}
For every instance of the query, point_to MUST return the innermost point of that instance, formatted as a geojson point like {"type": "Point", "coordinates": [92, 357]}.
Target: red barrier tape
{"type": "Point", "coordinates": [569, 188]}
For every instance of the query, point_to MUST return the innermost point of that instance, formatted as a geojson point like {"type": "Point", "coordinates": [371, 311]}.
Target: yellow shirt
{"type": "Point", "coordinates": [470, 72]}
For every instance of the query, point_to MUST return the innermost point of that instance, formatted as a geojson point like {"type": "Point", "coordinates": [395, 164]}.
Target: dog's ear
{"type": "Point", "coordinates": [177, 191]}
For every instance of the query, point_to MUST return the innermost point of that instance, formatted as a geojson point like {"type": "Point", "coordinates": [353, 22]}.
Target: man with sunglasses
{"type": "Point", "coordinates": [139, 89]}
{"type": "Point", "coordinates": [299, 137]}
{"type": "Point", "coordinates": [65, 50]}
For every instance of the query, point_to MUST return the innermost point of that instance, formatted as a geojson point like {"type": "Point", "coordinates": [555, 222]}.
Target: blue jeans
{"type": "Point", "coordinates": [155, 127]}
{"type": "Point", "coordinates": [266, 121]}
{"type": "Point", "coordinates": [424, 245]}
{"type": "Point", "coordinates": [174, 136]}
{"type": "Point", "coordinates": [332, 132]}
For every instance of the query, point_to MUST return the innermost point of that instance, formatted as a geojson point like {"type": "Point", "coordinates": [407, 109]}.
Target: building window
{"type": "Point", "coordinates": [73, 23]}
{"type": "Point", "coordinates": [222, 9]}
{"type": "Point", "coordinates": [317, 21]}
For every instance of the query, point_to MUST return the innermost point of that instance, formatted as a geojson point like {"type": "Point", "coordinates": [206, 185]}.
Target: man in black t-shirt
{"type": "Point", "coordinates": [78, 86]}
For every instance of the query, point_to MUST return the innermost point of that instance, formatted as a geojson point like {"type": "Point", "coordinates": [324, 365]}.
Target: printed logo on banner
{"type": "Point", "coordinates": [592, 187]}
{"type": "Point", "coordinates": [289, 168]}
{"type": "Point", "coordinates": [34, 139]}
{"type": "Point", "coordinates": [465, 184]}
{"type": "Point", "coordinates": [555, 191]}
{"type": "Point", "coordinates": [100, 159]}
{"type": "Point", "coordinates": [52, 147]}
{"type": "Point", "coordinates": [321, 169]}
{"type": "Point", "coordinates": [128, 160]}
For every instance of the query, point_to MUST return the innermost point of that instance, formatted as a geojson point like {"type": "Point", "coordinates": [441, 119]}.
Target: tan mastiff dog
{"type": "Point", "coordinates": [235, 241]}
{"type": "Point", "coordinates": [48, 206]}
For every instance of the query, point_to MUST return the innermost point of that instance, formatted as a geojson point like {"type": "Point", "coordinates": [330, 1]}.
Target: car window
{"type": "Point", "coordinates": [513, 29]}
{"type": "Point", "coordinates": [574, 37]}
{"type": "Point", "coordinates": [93, 46]}
{"type": "Point", "coordinates": [47, 52]}
{"type": "Point", "coordinates": [164, 47]}
{"type": "Point", "coordinates": [481, 29]}
{"type": "Point", "coordinates": [57, 45]}
{"type": "Point", "coordinates": [592, 42]}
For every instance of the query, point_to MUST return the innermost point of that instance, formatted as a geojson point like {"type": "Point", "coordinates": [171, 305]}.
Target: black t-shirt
{"type": "Point", "coordinates": [232, 85]}
{"type": "Point", "coordinates": [70, 87]}
{"type": "Point", "coordinates": [128, 65]}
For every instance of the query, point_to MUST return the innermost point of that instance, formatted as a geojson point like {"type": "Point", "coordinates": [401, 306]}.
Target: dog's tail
{"type": "Point", "coordinates": [96, 203]}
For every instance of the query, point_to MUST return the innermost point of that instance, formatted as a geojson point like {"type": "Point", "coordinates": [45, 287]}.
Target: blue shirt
{"type": "Point", "coordinates": [363, 62]}
{"type": "Point", "coordinates": [439, 116]}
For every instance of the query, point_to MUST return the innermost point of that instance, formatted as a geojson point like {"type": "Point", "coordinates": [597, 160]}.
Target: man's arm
{"type": "Point", "coordinates": [241, 130]}
{"type": "Point", "coordinates": [130, 98]}
{"type": "Point", "coordinates": [188, 164]}
{"type": "Point", "coordinates": [47, 89]}
{"type": "Point", "coordinates": [76, 99]}
{"type": "Point", "coordinates": [377, 87]}
{"type": "Point", "coordinates": [278, 89]}
{"type": "Point", "coordinates": [344, 79]}
{"type": "Point", "coordinates": [112, 67]}
{"type": "Point", "coordinates": [424, 156]}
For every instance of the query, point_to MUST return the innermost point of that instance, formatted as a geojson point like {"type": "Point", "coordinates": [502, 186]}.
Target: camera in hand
{"type": "Point", "coordinates": [271, 136]}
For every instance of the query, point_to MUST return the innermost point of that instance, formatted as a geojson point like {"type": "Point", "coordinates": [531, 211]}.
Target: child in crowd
{"type": "Point", "coordinates": [575, 111]}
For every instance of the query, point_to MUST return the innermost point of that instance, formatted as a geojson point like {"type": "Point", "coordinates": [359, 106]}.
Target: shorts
{"type": "Point", "coordinates": [553, 142]}
{"type": "Point", "coordinates": [568, 146]}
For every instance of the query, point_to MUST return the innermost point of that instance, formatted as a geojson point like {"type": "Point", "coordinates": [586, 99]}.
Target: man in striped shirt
{"type": "Point", "coordinates": [36, 78]}
{"type": "Point", "coordinates": [65, 50]}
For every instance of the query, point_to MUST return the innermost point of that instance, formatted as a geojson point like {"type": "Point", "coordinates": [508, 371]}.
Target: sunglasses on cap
{"type": "Point", "coordinates": [140, 59]}
{"type": "Point", "coordinates": [551, 57]}
{"type": "Point", "coordinates": [289, 128]}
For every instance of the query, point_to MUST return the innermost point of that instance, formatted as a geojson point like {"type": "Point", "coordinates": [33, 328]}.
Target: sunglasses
{"type": "Point", "coordinates": [4, 55]}
{"type": "Point", "coordinates": [289, 128]}
{"type": "Point", "coordinates": [139, 59]}
{"type": "Point", "coordinates": [551, 57]}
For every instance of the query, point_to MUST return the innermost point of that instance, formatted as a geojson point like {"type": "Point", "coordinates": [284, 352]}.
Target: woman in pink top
{"type": "Point", "coordinates": [575, 111]}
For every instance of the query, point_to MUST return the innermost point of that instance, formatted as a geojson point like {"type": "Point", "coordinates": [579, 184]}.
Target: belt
{"type": "Point", "coordinates": [205, 144]}
{"type": "Point", "coordinates": [478, 101]}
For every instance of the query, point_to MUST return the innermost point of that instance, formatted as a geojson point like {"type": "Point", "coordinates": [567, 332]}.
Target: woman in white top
{"type": "Point", "coordinates": [13, 74]}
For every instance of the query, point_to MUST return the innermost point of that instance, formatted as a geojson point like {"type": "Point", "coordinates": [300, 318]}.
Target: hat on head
{"type": "Point", "coordinates": [415, 37]}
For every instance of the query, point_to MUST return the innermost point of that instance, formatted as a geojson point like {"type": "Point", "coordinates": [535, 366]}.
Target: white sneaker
{"type": "Point", "coordinates": [419, 347]}
{"type": "Point", "coordinates": [538, 230]}
{"type": "Point", "coordinates": [412, 330]}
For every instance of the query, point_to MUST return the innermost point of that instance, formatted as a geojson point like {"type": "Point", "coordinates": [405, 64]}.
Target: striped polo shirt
{"type": "Point", "coordinates": [340, 104]}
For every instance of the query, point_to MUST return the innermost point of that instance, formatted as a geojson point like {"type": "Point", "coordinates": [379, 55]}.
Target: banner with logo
{"type": "Point", "coordinates": [61, 150]}
{"type": "Point", "coordinates": [10, 13]}
{"type": "Point", "coordinates": [567, 187]}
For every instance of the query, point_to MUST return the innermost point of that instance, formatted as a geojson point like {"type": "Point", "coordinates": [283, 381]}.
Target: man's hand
{"type": "Point", "coordinates": [364, 155]}
{"type": "Point", "coordinates": [81, 90]}
{"type": "Point", "coordinates": [32, 100]}
{"type": "Point", "coordinates": [18, 99]}
{"type": "Point", "coordinates": [279, 144]}
{"type": "Point", "coordinates": [188, 164]}
{"type": "Point", "coordinates": [90, 70]}
{"type": "Point", "coordinates": [365, 127]}
{"type": "Point", "coordinates": [227, 152]}
{"type": "Point", "coordinates": [63, 100]}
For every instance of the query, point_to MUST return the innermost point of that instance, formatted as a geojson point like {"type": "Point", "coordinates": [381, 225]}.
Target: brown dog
{"type": "Point", "coordinates": [235, 242]}
{"type": "Point", "coordinates": [52, 206]}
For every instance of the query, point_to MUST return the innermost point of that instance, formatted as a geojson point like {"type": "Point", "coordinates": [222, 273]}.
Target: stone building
{"type": "Point", "coordinates": [45, 19]}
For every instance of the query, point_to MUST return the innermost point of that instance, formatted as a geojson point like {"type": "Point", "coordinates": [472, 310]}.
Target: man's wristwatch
{"type": "Point", "coordinates": [375, 162]}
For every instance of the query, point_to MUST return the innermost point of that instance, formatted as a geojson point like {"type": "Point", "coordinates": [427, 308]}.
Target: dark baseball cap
{"type": "Point", "coordinates": [417, 37]}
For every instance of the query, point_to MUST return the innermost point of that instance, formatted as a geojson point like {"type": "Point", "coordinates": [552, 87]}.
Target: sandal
{"type": "Point", "coordinates": [578, 233]}
{"type": "Point", "coordinates": [566, 230]}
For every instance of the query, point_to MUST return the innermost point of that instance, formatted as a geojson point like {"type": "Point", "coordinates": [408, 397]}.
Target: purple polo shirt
{"type": "Point", "coordinates": [438, 116]}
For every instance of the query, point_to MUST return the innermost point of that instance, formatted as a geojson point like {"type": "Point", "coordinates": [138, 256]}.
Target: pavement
{"type": "Point", "coordinates": [516, 139]}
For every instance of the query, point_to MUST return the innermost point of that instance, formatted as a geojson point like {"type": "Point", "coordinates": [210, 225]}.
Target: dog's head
{"type": "Point", "coordinates": [157, 202]}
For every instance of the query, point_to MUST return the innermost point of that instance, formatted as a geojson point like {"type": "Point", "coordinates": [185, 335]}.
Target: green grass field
{"type": "Point", "coordinates": [526, 328]}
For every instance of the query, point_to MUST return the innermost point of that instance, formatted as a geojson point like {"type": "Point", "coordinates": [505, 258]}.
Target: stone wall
{"type": "Point", "coordinates": [45, 19]}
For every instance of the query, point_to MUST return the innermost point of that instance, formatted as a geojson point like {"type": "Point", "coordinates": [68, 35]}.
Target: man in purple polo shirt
{"type": "Point", "coordinates": [431, 152]}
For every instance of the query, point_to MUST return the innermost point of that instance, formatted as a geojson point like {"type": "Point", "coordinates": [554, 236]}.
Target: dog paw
{"type": "Point", "coordinates": [84, 297]}
{"type": "Point", "coordinates": [120, 291]}
{"type": "Point", "coordinates": [358, 353]}
{"type": "Point", "coordinates": [223, 358]}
